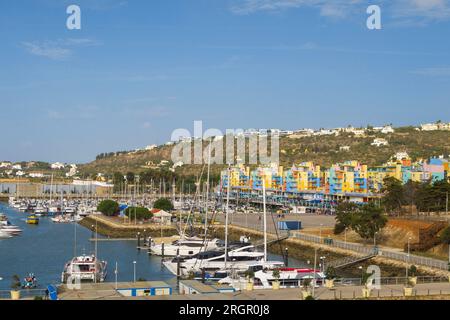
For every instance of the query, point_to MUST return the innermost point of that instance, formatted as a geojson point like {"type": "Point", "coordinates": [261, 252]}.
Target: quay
{"type": "Point", "coordinates": [108, 291]}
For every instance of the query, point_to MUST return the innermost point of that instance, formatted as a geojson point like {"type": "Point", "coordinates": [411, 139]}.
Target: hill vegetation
{"type": "Point", "coordinates": [322, 150]}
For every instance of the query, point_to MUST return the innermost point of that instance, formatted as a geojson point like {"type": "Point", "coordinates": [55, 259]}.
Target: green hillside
{"type": "Point", "coordinates": [323, 150]}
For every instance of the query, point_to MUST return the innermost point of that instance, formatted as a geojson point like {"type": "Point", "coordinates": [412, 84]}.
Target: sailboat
{"type": "Point", "coordinates": [85, 267]}
{"type": "Point", "coordinates": [231, 259]}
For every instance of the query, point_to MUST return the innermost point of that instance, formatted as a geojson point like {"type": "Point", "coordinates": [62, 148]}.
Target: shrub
{"type": "Point", "coordinates": [138, 213]}
{"type": "Point", "coordinates": [445, 235]}
{"type": "Point", "coordinates": [108, 208]}
{"type": "Point", "coordinates": [330, 273]}
{"type": "Point", "coordinates": [16, 284]}
{"type": "Point", "coordinates": [339, 228]}
{"type": "Point", "coordinates": [163, 204]}
{"type": "Point", "coordinates": [412, 271]}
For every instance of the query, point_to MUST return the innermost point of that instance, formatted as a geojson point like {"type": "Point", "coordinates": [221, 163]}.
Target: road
{"type": "Point", "coordinates": [252, 220]}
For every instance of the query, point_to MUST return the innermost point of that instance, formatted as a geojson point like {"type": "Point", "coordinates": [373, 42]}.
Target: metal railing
{"type": "Point", "coordinates": [367, 250]}
{"type": "Point", "coordinates": [24, 294]}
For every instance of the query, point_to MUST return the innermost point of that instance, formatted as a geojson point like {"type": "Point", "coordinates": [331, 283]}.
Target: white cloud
{"type": "Point", "coordinates": [336, 8]}
{"type": "Point", "coordinates": [423, 9]}
{"type": "Point", "coordinates": [398, 10]}
{"type": "Point", "coordinates": [47, 50]}
{"type": "Point", "coordinates": [60, 49]}
{"type": "Point", "coordinates": [433, 72]}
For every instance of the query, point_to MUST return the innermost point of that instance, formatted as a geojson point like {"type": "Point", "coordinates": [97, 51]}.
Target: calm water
{"type": "Point", "coordinates": [45, 248]}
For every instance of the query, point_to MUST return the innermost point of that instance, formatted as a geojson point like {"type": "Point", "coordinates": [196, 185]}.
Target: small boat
{"type": "Point", "coordinates": [30, 282]}
{"type": "Point", "coordinates": [32, 219]}
{"type": "Point", "coordinates": [264, 278]}
{"type": "Point", "coordinates": [84, 268]}
{"type": "Point", "coordinates": [185, 247]}
{"type": "Point", "coordinates": [4, 235]}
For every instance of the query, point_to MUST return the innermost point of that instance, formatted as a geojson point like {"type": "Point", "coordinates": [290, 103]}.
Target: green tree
{"type": "Point", "coordinates": [346, 215]}
{"type": "Point", "coordinates": [130, 177]}
{"type": "Point", "coordinates": [445, 235]}
{"type": "Point", "coordinates": [139, 213]}
{"type": "Point", "coordinates": [370, 220]}
{"type": "Point", "coordinates": [163, 204]}
{"type": "Point", "coordinates": [394, 195]}
{"type": "Point", "coordinates": [108, 208]}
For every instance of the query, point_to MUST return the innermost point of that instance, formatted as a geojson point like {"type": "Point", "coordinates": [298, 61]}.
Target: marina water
{"type": "Point", "coordinates": [45, 248]}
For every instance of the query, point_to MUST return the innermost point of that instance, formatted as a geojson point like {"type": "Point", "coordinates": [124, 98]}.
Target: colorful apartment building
{"type": "Point", "coordinates": [350, 177]}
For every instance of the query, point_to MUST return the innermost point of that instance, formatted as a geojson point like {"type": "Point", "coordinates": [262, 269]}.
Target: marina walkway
{"type": "Point", "coordinates": [421, 291]}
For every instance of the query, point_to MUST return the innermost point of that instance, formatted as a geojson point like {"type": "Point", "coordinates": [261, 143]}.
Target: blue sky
{"type": "Point", "coordinates": [139, 69]}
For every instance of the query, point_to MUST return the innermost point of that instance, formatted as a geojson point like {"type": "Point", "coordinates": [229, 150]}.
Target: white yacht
{"type": "Point", "coordinates": [239, 260]}
{"type": "Point", "coordinates": [84, 268]}
{"type": "Point", "coordinates": [185, 247]}
{"type": "Point", "coordinates": [4, 235]}
{"type": "Point", "coordinates": [264, 278]}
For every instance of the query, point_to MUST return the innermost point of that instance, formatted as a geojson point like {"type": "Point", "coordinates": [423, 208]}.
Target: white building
{"type": "Point", "coordinates": [429, 127]}
{"type": "Point", "coordinates": [378, 142]}
{"type": "Point", "coordinates": [387, 129]}
{"type": "Point", "coordinates": [72, 171]}
{"type": "Point", "coordinates": [36, 175]}
{"type": "Point", "coordinates": [401, 156]}
{"type": "Point", "coordinates": [57, 166]}
{"type": "Point", "coordinates": [151, 147]}
{"type": "Point", "coordinates": [5, 164]}
{"type": "Point", "coordinates": [344, 148]}
{"type": "Point", "coordinates": [20, 173]}
{"type": "Point", "coordinates": [16, 167]}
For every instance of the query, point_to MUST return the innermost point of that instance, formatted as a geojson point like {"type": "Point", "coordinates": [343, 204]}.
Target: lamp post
{"type": "Point", "coordinates": [407, 256]}
{"type": "Point", "coordinates": [375, 239]}
{"type": "Point", "coordinates": [134, 271]}
{"type": "Point", "coordinates": [345, 234]}
{"type": "Point", "coordinates": [116, 272]}
{"type": "Point", "coordinates": [361, 268]}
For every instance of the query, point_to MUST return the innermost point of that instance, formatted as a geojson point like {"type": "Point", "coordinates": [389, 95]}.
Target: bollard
{"type": "Point", "coordinates": [139, 241]}
{"type": "Point", "coordinates": [162, 250]}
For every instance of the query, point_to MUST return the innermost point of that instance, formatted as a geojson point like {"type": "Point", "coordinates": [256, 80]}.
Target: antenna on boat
{"type": "Point", "coordinates": [207, 188]}
{"type": "Point", "coordinates": [264, 216]}
{"type": "Point", "coordinates": [226, 215]}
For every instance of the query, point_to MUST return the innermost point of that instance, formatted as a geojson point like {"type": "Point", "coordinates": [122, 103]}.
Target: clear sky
{"type": "Point", "coordinates": [139, 69]}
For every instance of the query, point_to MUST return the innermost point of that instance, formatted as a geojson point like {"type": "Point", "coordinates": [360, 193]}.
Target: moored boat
{"type": "Point", "coordinates": [84, 268]}
{"type": "Point", "coordinates": [32, 219]}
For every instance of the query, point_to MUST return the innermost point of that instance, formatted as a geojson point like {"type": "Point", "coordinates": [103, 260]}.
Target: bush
{"type": "Point", "coordinates": [163, 204]}
{"type": "Point", "coordinates": [339, 228]}
{"type": "Point", "coordinates": [330, 273]}
{"type": "Point", "coordinates": [445, 235]}
{"type": "Point", "coordinates": [15, 283]}
{"type": "Point", "coordinates": [108, 208]}
{"type": "Point", "coordinates": [141, 213]}
{"type": "Point", "coordinates": [412, 271]}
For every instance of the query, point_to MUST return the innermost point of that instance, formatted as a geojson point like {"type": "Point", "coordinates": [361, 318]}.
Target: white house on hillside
{"type": "Point", "coordinates": [57, 166]}
{"type": "Point", "coordinates": [378, 142]}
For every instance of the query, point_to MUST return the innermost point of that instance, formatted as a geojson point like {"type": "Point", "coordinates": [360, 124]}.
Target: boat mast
{"type": "Point", "coordinates": [207, 188]}
{"type": "Point", "coordinates": [264, 216]}
{"type": "Point", "coordinates": [51, 191]}
{"type": "Point", "coordinates": [226, 216]}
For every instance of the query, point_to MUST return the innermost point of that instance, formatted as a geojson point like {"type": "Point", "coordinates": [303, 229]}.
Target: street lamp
{"type": "Point", "coordinates": [134, 271]}
{"type": "Point", "coordinates": [361, 268]}
{"type": "Point", "coordinates": [345, 234]}
{"type": "Point", "coordinates": [408, 259]}
{"type": "Point", "coordinates": [116, 272]}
